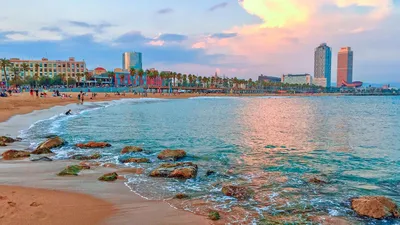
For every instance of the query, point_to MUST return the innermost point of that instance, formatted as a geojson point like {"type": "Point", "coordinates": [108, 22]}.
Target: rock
{"type": "Point", "coordinates": [89, 164]}
{"type": "Point", "coordinates": [51, 136]}
{"type": "Point", "coordinates": [109, 165]}
{"type": "Point", "coordinates": [183, 170]}
{"type": "Point", "coordinates": [7, 139]}
{"type": "Point", "coordinates": [181, 196]}
{"type": "Point", "coordinates": [43, 159]}
{"type": "Point", "coordinates": [129, 149]}
{"type": "Point", "coordinates": [35, 204]}
{"type": "Point", "coordinates": [109, 177]}
{"type": "Point", "coordinates": [210, 172]}
{"type": "Point", "coordinates": [214, 215]}
{"type": "Point", "coordinates": [377, 207]}
{"type": "Point", "coordinates": [44, 147]}
{"type": "Point", "coordinates": [329, 220]}
{"type": "Point", "coordinates": [315, 180]}
{"type": "Point", "coordinates": [131, 170]}
{"type": "Point", "coordinates": [84, 157]}
{"type": "Point", "coordinates": [238, 192]}
{"type": "Point", "coordinates": [135, 160]}
{"type": "Point", "coordinates": [2, 144]}
{"type": "Point", "coordinates": [73, 170]}
{"type": "Point", "coordinates": [92, 144]}
{"type": "Point", "coordinates": [15, 154]}
{"type": "Point", "coordinates": [171, 154]}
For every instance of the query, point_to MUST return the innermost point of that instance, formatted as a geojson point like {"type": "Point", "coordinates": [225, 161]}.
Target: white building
{"type": "Point", "coordinates": [297, 79]}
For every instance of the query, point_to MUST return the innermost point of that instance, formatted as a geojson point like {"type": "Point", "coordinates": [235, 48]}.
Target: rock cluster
{"type": "Point", "coordinates": [171, 154]}
{"type": "Point", "coordinates": [129, 149]}
{"type": "Point", "coordinates": [15, 154]}
{"type": "Point", "coordinates": [73, 170]}
{"type": "Point", "coordinates": [109, 177]}
{"type": "Point", "coordinates": [377, 207]}
{"type": "Point", "coordinates": [135, 160]}
{"type": "Point", "coordinates": [238, 192]}
{"type": "Point", "coordinates": [184, 170]}
{"type": "Point", "coordinates": [93, 144]}
{"type": "Point", "coordinates": [5, 139]}
{"type": "Point", "coordinates": [46, 146]}
{"type": "Point", "coordinates": [85, 157]}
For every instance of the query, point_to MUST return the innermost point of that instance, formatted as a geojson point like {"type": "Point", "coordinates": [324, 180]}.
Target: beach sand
{"type": "Point", "coordinates": [69, 200]}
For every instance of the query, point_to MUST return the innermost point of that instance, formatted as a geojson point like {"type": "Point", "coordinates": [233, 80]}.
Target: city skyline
{"type": "Point", "coordinates": [245, 39]}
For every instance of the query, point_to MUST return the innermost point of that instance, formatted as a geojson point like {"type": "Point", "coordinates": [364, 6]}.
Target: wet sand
{"type": "Point", "coordinates": [58, 199]}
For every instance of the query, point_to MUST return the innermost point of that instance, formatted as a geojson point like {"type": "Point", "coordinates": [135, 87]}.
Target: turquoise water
{"type": "Point", "coordinates": [270, 144]}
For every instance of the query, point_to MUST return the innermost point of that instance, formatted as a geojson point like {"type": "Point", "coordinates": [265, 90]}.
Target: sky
{"type": "Point", "coordinates": [236, 38]}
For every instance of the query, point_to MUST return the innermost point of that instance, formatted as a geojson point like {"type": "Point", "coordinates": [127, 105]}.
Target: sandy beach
{"type": "Point", "coordinates": [31, 193]}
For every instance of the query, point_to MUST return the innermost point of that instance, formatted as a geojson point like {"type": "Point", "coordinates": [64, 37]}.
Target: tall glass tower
{"type": "Point", "coordinates": [132, 60]}
{"type": "Point", "coordinates": [323, 63]}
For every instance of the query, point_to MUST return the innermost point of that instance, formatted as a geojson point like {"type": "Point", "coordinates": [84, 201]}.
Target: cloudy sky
{"type": "Point", "coordinates": [243, 38]}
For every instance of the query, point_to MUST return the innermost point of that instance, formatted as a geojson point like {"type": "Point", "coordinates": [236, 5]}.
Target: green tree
{"type": "Point", "coordinates": [111, 75]}
{"type": "Point", "coordinates": [140, 74]}
{"type": "Point", "coordinates": [4, 63]}
{"type": "Point", "coordinates": [25, 67]}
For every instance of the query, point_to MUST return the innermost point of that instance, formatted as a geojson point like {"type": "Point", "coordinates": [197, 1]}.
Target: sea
{"type": "Point", "coordinates": [273, 145]}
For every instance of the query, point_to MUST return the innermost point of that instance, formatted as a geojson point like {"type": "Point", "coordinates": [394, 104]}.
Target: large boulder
{"type": "Point", "coordinates": [129, 149]}
{"type": "Point", "coordinates": [109, 177]}
{"type": "Point", "coordinates": [377, 207]}
{"type": "Point", "coordinates": [171, 154]}
{"type": "Point", "coordinates": [135, 160]}
{"type": "Point", "coordinates": [184, 170]}
{"type": "Point", "coordinates": [93, 144]}
{"type": "Point", "coordinates": [73, 170]}
{"type": "Point", "coordinates": [7, 139]}
{"type": "Point", "coordinates": [85, 157]}
{"type": "Point", "coordinates": [15, 154]}
{"type": "Point", "coordinates": [2, 144]}
{"type": "Point", "coordinates": [45, 147]}
{"type": "Point", "coordinates": [238, 192]}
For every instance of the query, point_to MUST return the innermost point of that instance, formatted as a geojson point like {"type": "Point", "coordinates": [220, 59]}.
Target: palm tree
{"type": "Point", "coordinates": [79, 76]}
{"type": "Point", "coordinates": [179, 77]}
{"type": "Point", "coordinates": [140, 74]}
{"type": "Point", "coordinates": [111, 75]}
{"type": "Point", "coordinates": [36, 78]}
{"type": "Point", "coordinates": [190, 78]}
{"type": "Point", "coordinates": [122, 79]}
{"type": "Point", "coordinates": [133, 72]}
{"type": "Point", "coordinates": [148, 75]}
{"type": "Point", "coordinates": [37, 68]}
{"type": "Point", "coordinates": [64, 78]}
{"type": "Point", "coordinates": [25, 67]}
{"type": "Point", "coordinates": [4, 63]}
{"type": "Point", "coordinates": [87, 76]}
{"type": "Point", "coordinates": [174, 76]}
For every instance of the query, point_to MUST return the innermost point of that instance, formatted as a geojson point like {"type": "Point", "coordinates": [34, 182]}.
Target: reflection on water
{"type": "Point", "coordinates": [272, 145]}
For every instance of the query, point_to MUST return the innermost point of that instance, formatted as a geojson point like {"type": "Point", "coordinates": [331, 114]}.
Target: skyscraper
{"type": "Point", "coordinates": [345, 66]}
{"type": "Point", "coordinates": [132, 60]}
{"type": "Point", "coordinates": [323, 64]}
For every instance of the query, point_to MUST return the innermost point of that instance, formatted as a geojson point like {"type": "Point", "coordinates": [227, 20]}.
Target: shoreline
{"type": "Point", "coordinates": [23, 103]}
{"type": "Point", "coordinates": [24, 178]}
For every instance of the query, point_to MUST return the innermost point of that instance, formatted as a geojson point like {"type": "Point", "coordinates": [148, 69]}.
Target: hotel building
{"type": "Point", "coordinates": [45, 67]}
{"type": "Point", "coordinates": [132, 60]}
{"type": "Point", "coordinates": [345, 66]}
{"type": "Point", "coordinates": [297, 79]}
{"type": "Point", "coordinates": [323, 65]}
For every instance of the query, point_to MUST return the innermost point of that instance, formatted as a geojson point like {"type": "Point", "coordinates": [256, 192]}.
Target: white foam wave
{"type": "Point", "coordinates": [212, 97]}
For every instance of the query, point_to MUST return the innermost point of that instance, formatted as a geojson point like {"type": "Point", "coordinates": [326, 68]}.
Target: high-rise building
{"type": "Point", "coordinates": [45, 67]}
{"type": "Point", "coordinates": [345, 66]}
{"type": "Point", "coordinates": [132, 60]}
{"type": "Point", "coordinates": [323, 64]}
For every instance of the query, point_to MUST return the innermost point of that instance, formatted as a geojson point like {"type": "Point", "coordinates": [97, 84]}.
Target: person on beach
{"type": "Point", "coordinates": [79, 97]}
{"type": "Point", "coordinates": [68, 113]}
{"type": "Point", "coordinates": [82, 98]}
{"type": "Point", "coordinates": [31, 92]}
{"type": "Point", "coordinates": [37, 93]}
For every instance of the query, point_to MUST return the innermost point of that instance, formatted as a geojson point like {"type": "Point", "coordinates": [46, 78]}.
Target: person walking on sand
{"type": "Point", "coordinates": [37, 93]}
{"type": "Point", "coordinates": [31, 92]}
{"type": "Point", "coordinates": [82, 98]}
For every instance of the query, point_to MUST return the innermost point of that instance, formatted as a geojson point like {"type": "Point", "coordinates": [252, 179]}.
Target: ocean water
{"type": "Point", "coordinates": [273, 145]}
